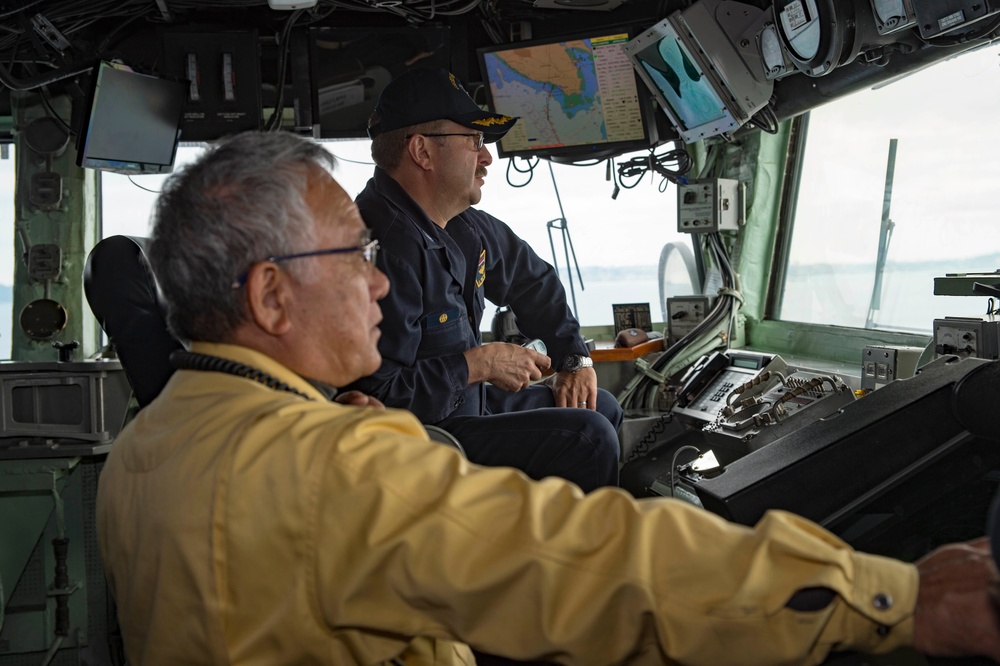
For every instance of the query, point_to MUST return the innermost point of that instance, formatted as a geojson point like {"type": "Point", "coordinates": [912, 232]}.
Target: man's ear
{"type": "Point", "coordinates": [269, 298]}
{"type": "Point", "coordinates": [419, 150]}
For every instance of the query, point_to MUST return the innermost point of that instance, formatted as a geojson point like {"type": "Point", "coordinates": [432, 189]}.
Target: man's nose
{"type": "Point", "coordinates": [485, 158]}
{"type": "Point", "coordinates": [379, 285]}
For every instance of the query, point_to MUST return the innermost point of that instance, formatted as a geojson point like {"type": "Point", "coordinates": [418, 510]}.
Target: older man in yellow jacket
{"type": "Point", "coordinates": [246, 519]}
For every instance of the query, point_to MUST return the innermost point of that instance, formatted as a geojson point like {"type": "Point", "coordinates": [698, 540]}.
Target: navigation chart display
{"type": "Point", "coordinates": [572, 96]}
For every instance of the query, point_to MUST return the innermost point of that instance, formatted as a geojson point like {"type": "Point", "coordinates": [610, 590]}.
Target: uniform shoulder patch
{"type": "Point", "coordinates": [481, 270]}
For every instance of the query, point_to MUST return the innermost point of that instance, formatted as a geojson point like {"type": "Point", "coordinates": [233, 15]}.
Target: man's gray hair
{"type": "Point", "coordinates": [241, 202]}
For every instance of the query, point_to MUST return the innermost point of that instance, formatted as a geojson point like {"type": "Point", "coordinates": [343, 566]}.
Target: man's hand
{"type": "Point", "coordinates": [506, 366]}
{"type": "Point", "coordinates": [575, 389]}
{"type": "Point", "coordinates": [957, 604]}
{"type": "Point", "coordinates": [358, 399]}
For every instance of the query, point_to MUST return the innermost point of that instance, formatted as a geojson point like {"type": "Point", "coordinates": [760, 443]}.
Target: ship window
{"type": "Point", "coordinates": [617, 242]}
{"type": "Point", "coordinates": [845, 265]}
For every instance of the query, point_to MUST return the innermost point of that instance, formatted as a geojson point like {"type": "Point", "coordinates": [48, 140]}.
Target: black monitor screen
{"type": "Point", "coordinates": [351, 66]}
{"type": "Point", "coordinates": [574, 96]}
{"type": "Point", "coordinates": [132, 122]}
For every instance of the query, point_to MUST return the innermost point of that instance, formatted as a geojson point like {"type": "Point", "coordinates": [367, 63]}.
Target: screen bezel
{"type": "Point", "coordinates": [174, 90]}
{"type": "Point", "coordinates": [670, 28]}
{"type": "Point", "coordinates": [581, 151]}
{"type": "Point", "coordinates": [725, 72]}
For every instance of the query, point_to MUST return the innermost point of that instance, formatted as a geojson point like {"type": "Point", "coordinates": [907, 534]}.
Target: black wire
{"type": "Point", "coordinates": [20, 9]}
{"type": "Point", "coordinates": [114, 31]}
{"type": "Point", "coordinates": [638, 166]}
{"type": "Point", "coordinates": [274, 122]}
{"type": "Point", "coordinates": [52, 112]}
{"type": "Point", "coordinates": [530, 164]}
{"type": "Point", "coordinates": [765, 120]}
{"type": "Point", "coordinates": [644, 445]}
{"type": "Point", "coordinates": [489, 28]}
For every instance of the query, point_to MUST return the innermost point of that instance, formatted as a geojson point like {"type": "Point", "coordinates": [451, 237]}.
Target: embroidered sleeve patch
{"type": "Point", "coordinates": [481, 270]}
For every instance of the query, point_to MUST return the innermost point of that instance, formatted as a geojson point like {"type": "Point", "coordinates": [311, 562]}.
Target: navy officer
{"type": "Point", "coordinates": [444, 258]}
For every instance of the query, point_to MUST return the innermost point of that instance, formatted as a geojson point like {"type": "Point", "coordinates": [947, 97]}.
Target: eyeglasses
{"type": "Point", "coordinates": [368, 252]}
{"type": "Point", "coordinates": [478, 137]}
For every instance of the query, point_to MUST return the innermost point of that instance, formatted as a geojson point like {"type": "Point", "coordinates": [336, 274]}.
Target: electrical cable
{"type": "Point", "coordinates": [284, 43]}
{"type": "Point", "coordinates": [673, 465]}
{"type": "Point", "coordinates": [129, 176]}
{"type": "Point", "coordinates": [530, 164]}
{"type": "Point", "coordinates": [644, 390]}
{"type": "Point", "coordinates": [644, 445]}
{"type": "Point", "coordinates": [636, 167]}
{"type": "Point", "coordinates": [765, 119]}
{"type": "Point", "coordinates": [52, 112]}
{"type": "Point", "coordinates": [20, 9]}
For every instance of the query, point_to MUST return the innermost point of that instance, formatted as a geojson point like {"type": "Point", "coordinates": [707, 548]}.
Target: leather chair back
{"type": "Point", "coordinates": [121, 290]}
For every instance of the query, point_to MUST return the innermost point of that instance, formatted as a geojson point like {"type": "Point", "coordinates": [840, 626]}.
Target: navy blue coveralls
{"type": "Point", "coordinates": [439, 280]}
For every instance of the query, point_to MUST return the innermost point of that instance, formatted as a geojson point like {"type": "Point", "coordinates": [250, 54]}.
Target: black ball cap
{"type": "Point", "coordinates": [423, 95]}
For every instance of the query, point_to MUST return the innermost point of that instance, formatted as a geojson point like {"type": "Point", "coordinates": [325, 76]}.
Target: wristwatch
{"type": "Point", "coordinates": [576, 362]}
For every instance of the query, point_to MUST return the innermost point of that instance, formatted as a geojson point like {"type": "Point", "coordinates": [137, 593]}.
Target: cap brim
{"type": "Point", "coordinates": [493, 125]}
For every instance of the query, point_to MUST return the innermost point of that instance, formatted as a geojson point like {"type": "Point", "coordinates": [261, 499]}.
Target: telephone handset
{"type": "Point", "coordinates": [707, 385]}
{"type": "Point", "coordinates": [698, 375]}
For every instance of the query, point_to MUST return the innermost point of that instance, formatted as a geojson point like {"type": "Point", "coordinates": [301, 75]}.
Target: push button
{"type": "Point", "coordinates": [882, 601]}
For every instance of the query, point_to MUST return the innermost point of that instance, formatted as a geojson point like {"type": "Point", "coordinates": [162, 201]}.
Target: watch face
{"type": "Point", "coordinates": [575, 362]}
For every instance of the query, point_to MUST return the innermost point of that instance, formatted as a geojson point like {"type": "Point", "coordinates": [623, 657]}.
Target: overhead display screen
{"type": "Point", "coordinates": [570, 94]}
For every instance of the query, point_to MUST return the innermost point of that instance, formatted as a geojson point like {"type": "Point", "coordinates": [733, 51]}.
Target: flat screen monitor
{"type": "Point", "coordinates": [133, 121]}
{"type": "Point", "coordinates": [575, 96]}
{"type": "Point", "coordinates": [351, 66]}
{"type": "Point", "coordinates": [697, 75]}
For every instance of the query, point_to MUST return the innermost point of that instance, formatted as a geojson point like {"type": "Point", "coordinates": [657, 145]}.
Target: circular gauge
{"type": "Point", "coordinates": [813, 33]}
{"type": "Point", "coordinates": [45, 136]}
{"type": "Point", "coordinates": [42, 319]}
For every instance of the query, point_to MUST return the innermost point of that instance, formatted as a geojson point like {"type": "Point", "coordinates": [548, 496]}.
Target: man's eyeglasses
{"type": "Point", "coordinates": [478, 138]}
{"type": "Point", "coordinates": [368, 252]}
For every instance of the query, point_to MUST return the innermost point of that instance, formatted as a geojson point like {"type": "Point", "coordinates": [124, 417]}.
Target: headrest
{"type": "Point", "coordinates": [121, 290]}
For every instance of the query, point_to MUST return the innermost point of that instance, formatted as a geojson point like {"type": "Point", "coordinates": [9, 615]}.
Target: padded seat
{"type": "Point", "coordinates": [121, 290]}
